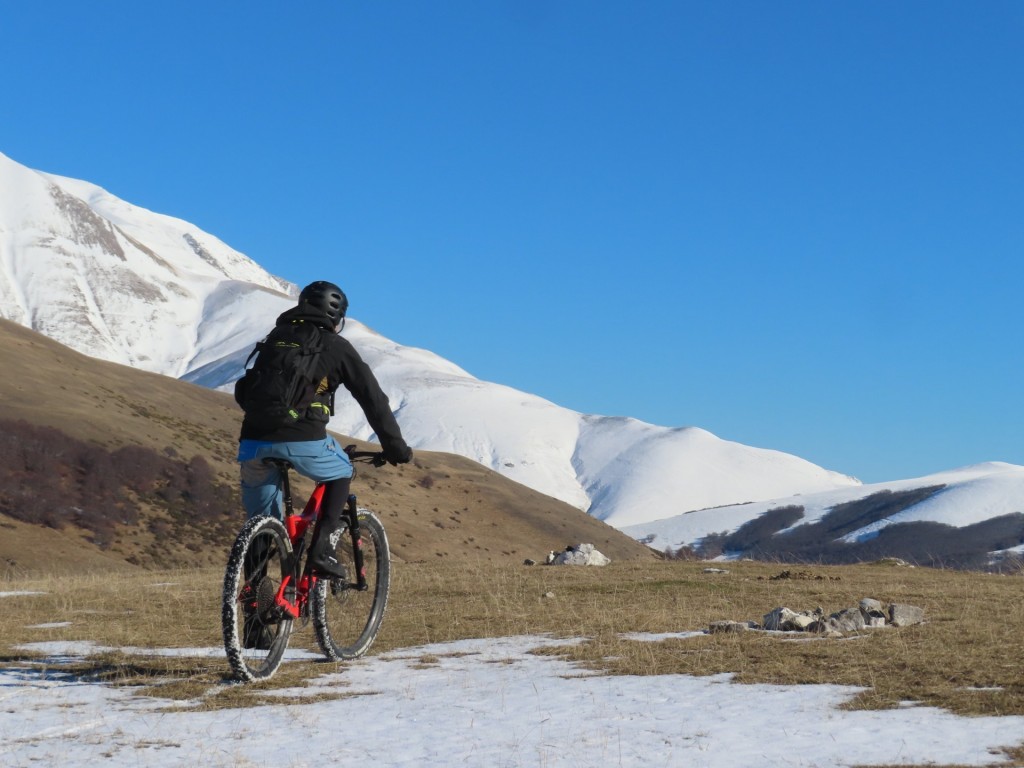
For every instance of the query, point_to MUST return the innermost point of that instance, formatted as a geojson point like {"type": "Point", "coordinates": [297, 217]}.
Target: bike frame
{"type": "Point", "coordinates": [293, 595]}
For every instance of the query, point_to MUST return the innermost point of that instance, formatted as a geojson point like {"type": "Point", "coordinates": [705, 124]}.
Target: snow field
{"type": "Point", "coordinates": [483, 703]}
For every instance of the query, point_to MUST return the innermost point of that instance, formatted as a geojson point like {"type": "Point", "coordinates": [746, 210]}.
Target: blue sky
{"type": "Point", "coordinates": [798, 225]}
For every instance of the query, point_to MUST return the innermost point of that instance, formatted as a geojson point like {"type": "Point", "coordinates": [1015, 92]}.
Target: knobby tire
{"type": "Point", "coordinates": [256, 567]}
{"type": "Point", "coordinates": [345, 619]}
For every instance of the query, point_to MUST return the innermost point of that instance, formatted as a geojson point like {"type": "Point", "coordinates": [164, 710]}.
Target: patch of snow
{"type": "Point", "coordinates": [82, 648]}
{"type": "Point", "coordinates": [486, 703]}
{"type": "Point", "coordinates": [657, 637]}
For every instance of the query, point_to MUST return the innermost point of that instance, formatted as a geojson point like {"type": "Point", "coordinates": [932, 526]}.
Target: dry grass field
{"type": "Point", "coordinates": [967, 656]}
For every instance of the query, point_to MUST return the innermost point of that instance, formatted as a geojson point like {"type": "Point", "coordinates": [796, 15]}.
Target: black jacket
{"type": "Point", "coordinates": [340, 364]}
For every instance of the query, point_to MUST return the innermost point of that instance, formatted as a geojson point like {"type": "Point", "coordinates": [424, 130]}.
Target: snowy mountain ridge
{"type": "Point", "coordinates": [121, 283]}
{"type": "Point", "coordinates": [967, 516]}
{"type": "Point", "coordinates": [115, 281]}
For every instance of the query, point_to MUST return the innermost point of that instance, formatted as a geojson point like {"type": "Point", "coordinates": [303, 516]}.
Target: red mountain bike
{"type": "Point", "coordinates": [268, 585]}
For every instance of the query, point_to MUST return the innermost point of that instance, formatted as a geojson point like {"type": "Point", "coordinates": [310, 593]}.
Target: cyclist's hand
{"type": "Point", "coordinates": [397, 453]}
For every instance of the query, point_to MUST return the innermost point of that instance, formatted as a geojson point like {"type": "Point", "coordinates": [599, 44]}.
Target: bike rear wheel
{"type": "Point", "coordinates": [256, 630]}
{"type": "Point", "coordinates": [346, 619]}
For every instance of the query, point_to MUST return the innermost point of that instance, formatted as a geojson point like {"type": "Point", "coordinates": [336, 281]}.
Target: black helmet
{"type": "Point", "coordinates": [327, 298]}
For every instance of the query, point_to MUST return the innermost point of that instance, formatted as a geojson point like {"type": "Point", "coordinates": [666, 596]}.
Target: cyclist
{"type": "Point", "coordinates": [304, 441]}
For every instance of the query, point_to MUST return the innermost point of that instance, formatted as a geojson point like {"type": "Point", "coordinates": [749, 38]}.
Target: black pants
{"type": "Point", "coordinates": [331, 510]}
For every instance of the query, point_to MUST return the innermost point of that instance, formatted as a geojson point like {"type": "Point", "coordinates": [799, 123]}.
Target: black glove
{"type": "Point", "coordinates": [397, 453]}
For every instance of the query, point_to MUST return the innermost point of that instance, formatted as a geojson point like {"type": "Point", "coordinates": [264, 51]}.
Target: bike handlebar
{"type": "Point", "coordinates": [370, 457]}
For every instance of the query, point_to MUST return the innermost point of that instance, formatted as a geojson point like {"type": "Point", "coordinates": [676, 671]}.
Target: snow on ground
{"type": "Point", "coordinates": [484, 703]}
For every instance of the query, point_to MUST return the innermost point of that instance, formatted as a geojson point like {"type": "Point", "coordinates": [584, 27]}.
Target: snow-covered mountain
{"type": "Point", "coordinates": [967, 516]}
{"type": "Point", "coordinates": [621, 470]}
{"type": "Point", "coordinates": [121, 283]}
{"type": "Point", "coordinates": [124, 284]}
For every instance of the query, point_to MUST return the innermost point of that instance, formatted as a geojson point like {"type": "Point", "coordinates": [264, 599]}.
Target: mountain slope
{"type": "Point", "coordinates": [968, 517]}
{"type": "Point", "coordinates": [118, 282]}
{"type": "Point", "coordinates": [155, 293]}
{"type": "Point", "coordinates": [618, 469]}
{"type": "Point", "coordinates": [440, 506]}
{"type": "Point", "coordinates": [127, 285]}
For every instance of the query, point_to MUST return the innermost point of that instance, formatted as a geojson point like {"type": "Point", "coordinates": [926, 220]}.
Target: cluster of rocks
{"type": "Point", "coordinates": [869, 614]}
{"type": "Point", "coordinates": [574, 554]}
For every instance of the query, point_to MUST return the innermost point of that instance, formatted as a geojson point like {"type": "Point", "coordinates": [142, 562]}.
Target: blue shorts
{"type": "Point", "coordinates": [319, 460]}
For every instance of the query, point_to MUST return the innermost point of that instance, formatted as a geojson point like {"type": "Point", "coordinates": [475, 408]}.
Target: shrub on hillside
{"type": "Point", "coordinates": [52, 479]}
{"type": "Point", "coordinates": [749, 535]}
{"type": "Point", "coordinates": [920, 542]}
{"type": "Point", "coordinates": [712, 545]}
{"type": "Point", "coordinates": [923, 543]}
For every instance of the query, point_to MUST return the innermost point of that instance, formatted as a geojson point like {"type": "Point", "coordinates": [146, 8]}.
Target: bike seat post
{"type": "Point", "coordinates": [286, 490]}
{"type": "Point", "coordinates": [286, 486]}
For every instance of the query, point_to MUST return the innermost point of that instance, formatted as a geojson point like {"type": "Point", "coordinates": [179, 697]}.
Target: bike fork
{"type": "Point", "coordinates": [357, 543]}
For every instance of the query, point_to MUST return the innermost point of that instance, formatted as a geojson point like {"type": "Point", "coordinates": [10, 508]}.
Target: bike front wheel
{"type": "Point", "coordinates": [256, 630]}
{"type": "Point", "coordinates": [345, 618]}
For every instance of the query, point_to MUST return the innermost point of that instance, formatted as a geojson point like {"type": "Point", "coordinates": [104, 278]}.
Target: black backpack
{"type": "Point", "coordinates": [281, 387]}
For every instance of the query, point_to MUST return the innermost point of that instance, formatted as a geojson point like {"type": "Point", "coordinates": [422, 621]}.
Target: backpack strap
{"type": "Point", "coordinates": [255, 351]}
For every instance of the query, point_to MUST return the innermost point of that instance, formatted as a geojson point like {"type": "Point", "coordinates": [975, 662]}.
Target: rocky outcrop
{"type": "Point", "coordinates": [580, 554]}
{"type": "Point", "coordinates": [869, 614]}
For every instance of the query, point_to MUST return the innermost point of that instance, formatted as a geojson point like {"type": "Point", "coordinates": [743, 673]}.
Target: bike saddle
{"type": "Point", "coordinates": [282, 463]}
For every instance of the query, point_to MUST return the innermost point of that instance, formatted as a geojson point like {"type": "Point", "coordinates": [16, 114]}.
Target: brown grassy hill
{"type": "Point", "coordinates": [72, 498]}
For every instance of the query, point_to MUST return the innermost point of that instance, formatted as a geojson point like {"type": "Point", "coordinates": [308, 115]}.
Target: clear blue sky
{"type": "Point", "coordinates": [798, 225]}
